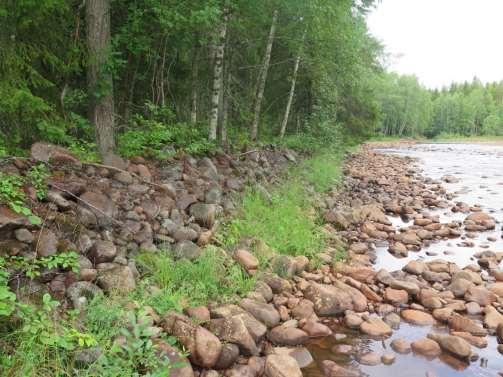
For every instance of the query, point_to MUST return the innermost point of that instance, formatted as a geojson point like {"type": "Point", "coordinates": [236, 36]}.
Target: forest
{"type": "Point", "coordinates": [160, 77]}
{"type": "Point", "coordinates": [466, 109]}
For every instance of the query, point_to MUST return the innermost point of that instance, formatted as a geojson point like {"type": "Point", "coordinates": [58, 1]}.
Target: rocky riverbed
{"type": "Point", "coordinates": [430, 266]}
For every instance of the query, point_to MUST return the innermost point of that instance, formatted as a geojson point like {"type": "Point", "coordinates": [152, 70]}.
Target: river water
{"type": "Point", "coordinates": [479, 168]}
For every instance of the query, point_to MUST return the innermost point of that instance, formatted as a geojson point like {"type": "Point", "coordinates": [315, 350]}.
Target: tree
{"type": "Point", "coordinates": [99, 78]}
{"type": "Point", "coordinates": [262, 79]}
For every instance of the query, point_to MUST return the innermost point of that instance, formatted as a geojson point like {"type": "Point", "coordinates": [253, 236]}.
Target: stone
{"type": "Point", "coordinates": [304, 309]}
{"type": "Point", "coordinates": [388, 358]}
{"type": "Point", "coordinates": [117, 279]}
{"type": "Point", "coordinates": [492, 318]}
{"type": "Point", "coordinates": [228, 356]}
{"type": "Point", "coordinates": [301, 354]}
{"type": "Point", "coordinates": [415, 267]}
{"type": "Point", "coordinates": [23, 235]}
{"type": "Point", "coordinates": [287, 336]}
{"type": "Point", "coordinates": [204, 214]}
{"type": "Point", "coordinates": [396, 296]}
{"type": "Point", "coordinates": [410, 287]}
{"type": "Point", "coordinates": [99, 206]}
{"type": "Point", "coordinates": [331, 369]}
{"type": "Point", "coordinates": [81, 292]}
{"type": "Point", "coordinates": [187, 249]}
{"type": "Point", "coordinates": [10, 220]}
{"type": "Point", "coordinates": [369, 358]}
{"type": "Point", "coordinates": [480, 295]}
{"type": "Point", "coordinates": [458, 322]}
{"type": "Point", "coordinates": [353, 321]}
{"type": "Point", "coordinates": [47, 243]}
{"type": "Point", "coordinates": [284, 265]}
{"type": "Point", "coordinates": [281, 366]}
{"type": "Point", "coordinates": [499, 333]}
{"type": "Point", "coordinates": [233, 329]}
{"type": "Point", "coordinates": [316, 329]}
{"type": "Point", "coordinates": [453, 344]}
{"type": "Point", "coordinates": [181, 366]}
{"type": "Point", "coordinates": [184, 234]}
{"type": "Point", "coordinates": [86, 357]}
{"type": "Point", "coordinates": [459, 286]}
{"type": "Point", "coordinates": [417, 317]}
{"type": "Point", "coordinates": [328, 300]}
{"type": "Point", "coordinates": [102, 252]}
{"type": "Point", "coordinates": [477, 341]}
{"type": "Point", "coordinates": [199, 313]}
{"type": "Point", "coordinates": [426, 347]}
{"type": "Point", "coordinates": [265, 313]}
{"type": "Point", "coordinates": [473, 308]}
{"type": "Point", "coordinates": [399, 249]}
{"type": "Point", "coordinates": [400, 346]}
{"type": "Point", "coordinates": [375, 326]}
{"type": "Point", "coordinates": [246, 259]}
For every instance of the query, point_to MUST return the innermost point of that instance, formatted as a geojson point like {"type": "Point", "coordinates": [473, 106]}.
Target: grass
{"type": "Point", "coordinates": [182, 283]}
{"type": "Point", "coordinates": [287, 221]}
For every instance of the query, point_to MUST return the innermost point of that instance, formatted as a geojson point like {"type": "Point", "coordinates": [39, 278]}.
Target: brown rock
{"type": "Point", "coordinates": [375, 326]}
{"type": "Point", "coordinates": [281, 366]}
{"type": "Point", "coordinates": [426, 347]}
{"type": "Point", "coordinates": [417, 317]}
{"type": "Point", "coordinates": [396, 296]}
{"type": "Point", "coordinates": [460, 323]}
{"type": "Point", "coordinates": [400, 346]}
{"type": "Point", "coordinates": [453, 344]}
{"type": "Point", "coordinates": [287, 336]}
{"type": "Point", "coordinates": [476, 341]}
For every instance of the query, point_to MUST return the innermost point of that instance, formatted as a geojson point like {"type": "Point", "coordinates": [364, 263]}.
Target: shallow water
{"type": "Point", "coordinates": [479, 167]}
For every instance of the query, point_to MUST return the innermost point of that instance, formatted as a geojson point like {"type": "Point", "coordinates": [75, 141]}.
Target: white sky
{"type": "Point", "coordinates": [441, 41]}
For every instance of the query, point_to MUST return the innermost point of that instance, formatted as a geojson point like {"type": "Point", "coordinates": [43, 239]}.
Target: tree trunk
{"type": "Point", "coordinates": [226, 92]}
{"type": "Point", "coordinates": [290, 98]}
{"type": "Point", "coordinates": [217, 77]}
{"type": "Point", "coordinates": [195, 75]}
{"type": "Point", "coordinates": [99, 80]}
{"type": "Point", "coordinates": [263, 78]}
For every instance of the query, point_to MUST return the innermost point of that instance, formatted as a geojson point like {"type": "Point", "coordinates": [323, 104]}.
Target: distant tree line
{"type": "Point", "coordinates": [409, 109]}
{"type": "Point", "coordinates": [151, 76]}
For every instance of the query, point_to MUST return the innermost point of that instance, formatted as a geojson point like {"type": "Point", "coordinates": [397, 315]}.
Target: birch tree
{"type": "Point", "coordinates": [217, 76]}
{"type": "Point", "coordinates": [262, 79]}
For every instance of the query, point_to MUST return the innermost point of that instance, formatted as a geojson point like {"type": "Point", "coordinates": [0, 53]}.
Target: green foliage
{"type": "Point", "coordinates": [37, 176]}
{"type": "Point", "coordinates": [32, 267]}
{"type": "Point", "coordinates": [190, 283]}
{"type": "Point", "coordinates": [7, 297]}
{"type": "Point", "coordinates": [12, 194]}
{"type": "Point", "coordinates": [158, 136]}
{"type": "Point", "coordinates": [135, 355]}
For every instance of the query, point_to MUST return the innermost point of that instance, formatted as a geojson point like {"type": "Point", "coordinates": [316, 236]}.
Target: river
{"type": "Point", "coordinates": [479, 172]}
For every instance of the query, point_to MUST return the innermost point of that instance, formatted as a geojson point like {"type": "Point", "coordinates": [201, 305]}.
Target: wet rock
{"type": "Point", "coordinates": [281, 366]}
{"type": "Point", "coordinates": [426, 347]}
{"type": "Point", "coordinates": [398, 249]}
{"type": "Point", "coordinates": [417, 317]}
{"type": "Point", "coordinates": [400, 346]}
{"type": "Point", "coordinates": [393, 320]}
{"type": "Point", "coordinates": [370, 358]}
{"type": "Point", "coordinates": [453, 344]}
{"type": "Point", "coordinates": [331, 369]}
{"type": "Point", "coordinates": [353, 321]}
{"type": "Point", "coordinates": [388, 359]}
{"type": "Point", "coordinates": [315, 329]}
{"type": "Point", "coordinates": [443, 314]}
{"type": "Point", "coordinates": [482, 219]}
{"type": "Point", "coordinates": [287, 336]}
{"type": "Point", "coordinates": [301, 354]}
{"type": "Point", "coordinates": [375, 326]}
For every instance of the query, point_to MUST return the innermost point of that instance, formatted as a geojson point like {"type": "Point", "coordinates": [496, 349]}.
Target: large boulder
{"type": "Point", "coordinates": [287, 336]}
{"type": "Point", "coordinates": [96, 208]}
{"type": "Point", "coordinates": [102, 251]}
{"type": "Point", "coordinates": [426, 347]}
{"type": "Point", "coordinates": [233, 329]}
